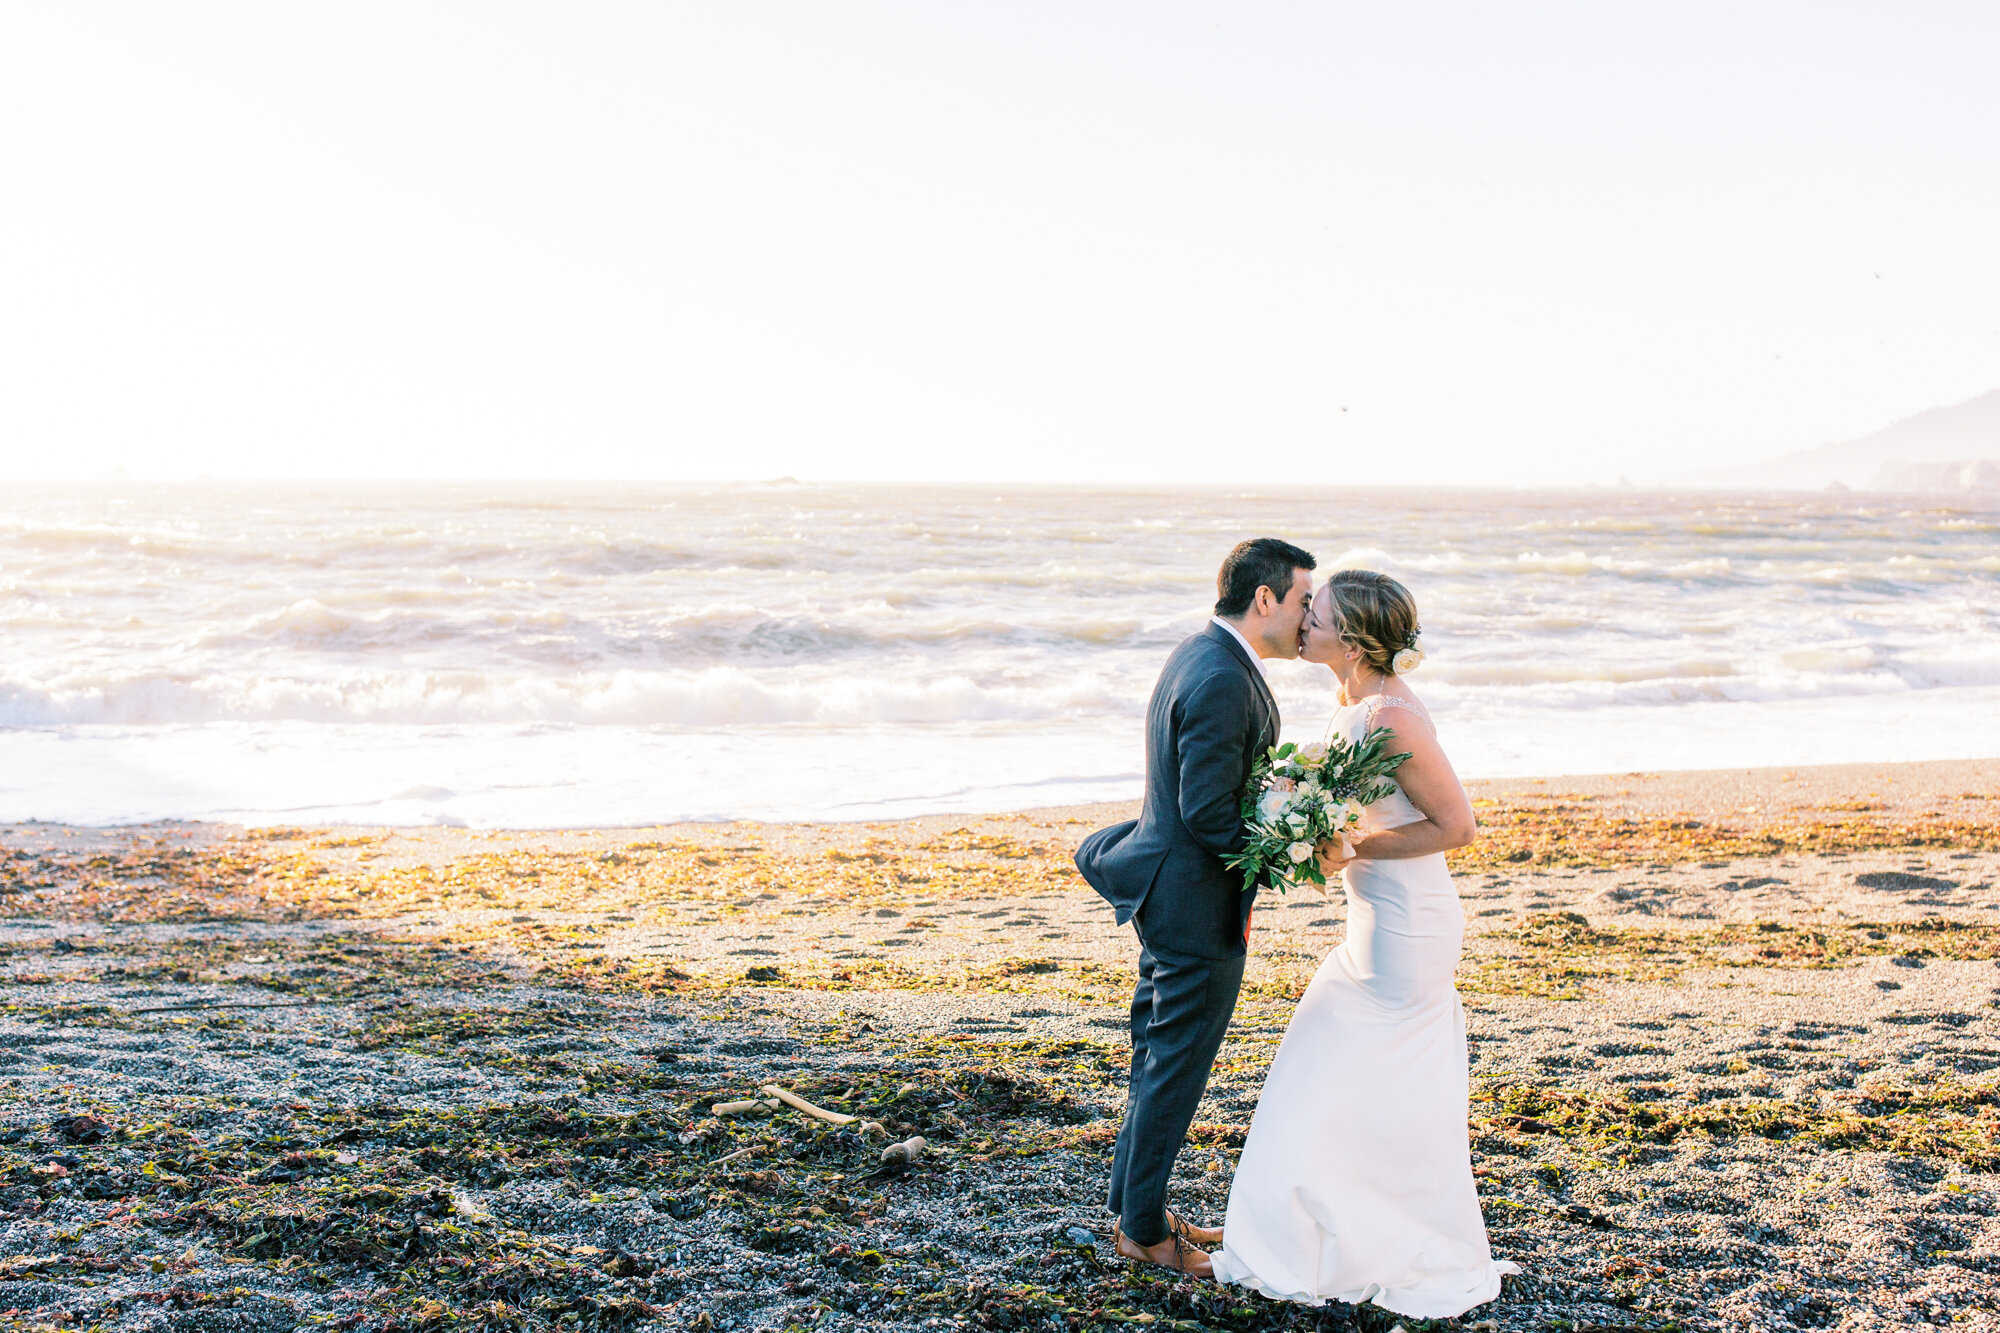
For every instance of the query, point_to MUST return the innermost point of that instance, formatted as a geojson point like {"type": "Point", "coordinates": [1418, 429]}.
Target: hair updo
{"type": "Point", "coordinates": [1371, 612]}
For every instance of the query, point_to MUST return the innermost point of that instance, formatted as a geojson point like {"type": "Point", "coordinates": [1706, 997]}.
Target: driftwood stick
{"type": "Point", "coordinates": [798, 1103]}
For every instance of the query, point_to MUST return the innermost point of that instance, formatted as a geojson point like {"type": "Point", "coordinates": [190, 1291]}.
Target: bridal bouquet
{"type": "Point", "coordinates": [1301, 795]}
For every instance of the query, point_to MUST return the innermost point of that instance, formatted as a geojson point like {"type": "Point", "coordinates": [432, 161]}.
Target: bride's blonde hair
{"type": "Point", "coordinates": [1371, 612]}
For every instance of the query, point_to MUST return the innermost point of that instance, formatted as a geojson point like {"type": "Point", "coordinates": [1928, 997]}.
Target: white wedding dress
{"type": "Point", "coordinates": [1356, 1182]}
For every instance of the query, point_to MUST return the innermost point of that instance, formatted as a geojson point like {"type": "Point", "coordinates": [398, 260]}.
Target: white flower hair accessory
{"type": "Point", "coordinates": [1408, 659]}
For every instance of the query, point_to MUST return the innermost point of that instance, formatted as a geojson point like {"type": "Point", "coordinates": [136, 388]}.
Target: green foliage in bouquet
{"type": "Point", "coordinates": [1301, 795]}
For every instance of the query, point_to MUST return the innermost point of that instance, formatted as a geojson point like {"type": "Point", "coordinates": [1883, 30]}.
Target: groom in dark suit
{"type": "Point", "coordinates": [1211, 714]}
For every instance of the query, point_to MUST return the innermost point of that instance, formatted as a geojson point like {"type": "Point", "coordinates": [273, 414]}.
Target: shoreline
{"type": "Point", "coordinates": [1753, 796]}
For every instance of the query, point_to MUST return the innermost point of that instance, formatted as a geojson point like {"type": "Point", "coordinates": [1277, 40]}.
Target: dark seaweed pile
{"type": "Point", "coordinates": [619, 1203]}
{"type": "Point", "coordinates": [594, 1189]}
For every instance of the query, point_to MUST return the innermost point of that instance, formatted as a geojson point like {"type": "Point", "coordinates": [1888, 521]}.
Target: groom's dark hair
{"type": "Point", "coordinates": [1262, 562]}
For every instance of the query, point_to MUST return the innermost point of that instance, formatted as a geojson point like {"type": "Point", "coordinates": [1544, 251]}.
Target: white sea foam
{"type": "Point", "coordinates": [714, 697]}
{"type": "Point", "coordinates": [585, 654]}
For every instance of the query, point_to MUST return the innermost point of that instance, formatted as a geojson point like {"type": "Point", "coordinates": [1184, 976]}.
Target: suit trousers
{"type": "Point", "coordinates": [1180, 1010]}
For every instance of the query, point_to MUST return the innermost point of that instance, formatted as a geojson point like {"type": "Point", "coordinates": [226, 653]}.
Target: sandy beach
{"type": "Point", "coordinates": [1733, 1036]}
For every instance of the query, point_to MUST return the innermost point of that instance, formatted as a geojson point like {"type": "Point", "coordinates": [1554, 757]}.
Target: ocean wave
{"type": "Point", "coordinates": [1361, 557]}
{"type": "Point", "coordinates": [1831, 660]}
{"type": "Point", "coordinates": [550, 632]}
{"type": "Point", "coordinates": [1593, 693]}
{"type": "Point", "coordinates": [1885, 574]}
{"type": "Point", "coordinates": [609, 556]}
{"type": "Point", "coordinates": [1562, 683]}
{"type": "Point", "coordinates": [1560, 670]}
{"type": "Point", "coordinates": [1599, 524]}
{"type": "Point", "coordinates": [727, 697]}
{"type": "Point", "coordinates": [1944, 670]}
{"type": "Point", "coordinates": [717, 697]}
{"type": "Point", "coordinates": [1026, 683]}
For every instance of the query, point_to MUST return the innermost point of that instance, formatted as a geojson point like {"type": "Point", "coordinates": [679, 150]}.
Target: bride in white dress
{"type": "Point", "coordinates": [1356, 1182]}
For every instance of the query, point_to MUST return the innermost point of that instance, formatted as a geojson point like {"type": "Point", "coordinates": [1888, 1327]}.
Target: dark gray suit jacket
{"type": "Point", "coordinates": [1210, 716]}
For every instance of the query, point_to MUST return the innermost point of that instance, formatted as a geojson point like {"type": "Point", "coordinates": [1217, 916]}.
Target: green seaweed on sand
{"type": "Point", "coordinates": [1517, 833]}
{"type": "Point", "coordinates": [1955, 1121]}
{"type": "Point", "coordinates": [1559, 954]}
{"type": "Point", "coordinates": [289, 875]}
{"type": "Point", "coordinates": [448, 1028]}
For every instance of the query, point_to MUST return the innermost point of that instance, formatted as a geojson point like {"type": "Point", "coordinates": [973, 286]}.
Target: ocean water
{"type": "Point", "coordinates": [551, 655]}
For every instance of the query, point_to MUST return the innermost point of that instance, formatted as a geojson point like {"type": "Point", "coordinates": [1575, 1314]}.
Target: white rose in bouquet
{"type": "Point", "coordinates": [1299, 852]}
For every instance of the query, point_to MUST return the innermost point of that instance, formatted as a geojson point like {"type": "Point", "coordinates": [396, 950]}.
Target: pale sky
{"type": "Point", "coordinates": [996, 241]}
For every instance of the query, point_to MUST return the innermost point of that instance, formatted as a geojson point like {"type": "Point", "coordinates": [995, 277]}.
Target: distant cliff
{"type": "Point", "coordinates": [1945, 449]}
{"type": "Point", "coordinates": [1981, 474]}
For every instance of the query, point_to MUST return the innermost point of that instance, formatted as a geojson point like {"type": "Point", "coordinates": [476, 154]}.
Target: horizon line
{"type": "Point", "coordinates": [111, 481]}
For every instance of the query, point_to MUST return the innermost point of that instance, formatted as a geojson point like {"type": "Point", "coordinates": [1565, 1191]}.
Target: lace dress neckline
{"type": "Point", "coordinates": [1375, 703]}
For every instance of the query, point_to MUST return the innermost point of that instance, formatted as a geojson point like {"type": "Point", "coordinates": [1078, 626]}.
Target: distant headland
{"type": "Point", "coordinates": [1952, 449]}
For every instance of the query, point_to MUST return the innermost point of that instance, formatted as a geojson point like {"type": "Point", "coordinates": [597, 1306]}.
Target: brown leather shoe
{"type": "Point", "coordinates": [1206, 1237]}
{"type": "Point", "coordinates": [1173, 1252]}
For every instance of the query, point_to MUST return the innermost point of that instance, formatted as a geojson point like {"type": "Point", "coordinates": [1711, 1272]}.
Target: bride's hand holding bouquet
{"type": "Point", "coordinates": [1300, 798]}
{"type": "Point", "coordinates": [1333, 857]}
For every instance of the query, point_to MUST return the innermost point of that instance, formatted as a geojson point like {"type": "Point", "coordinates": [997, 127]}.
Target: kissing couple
{"type": "Point", "coordinates": [1356, 1181]}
